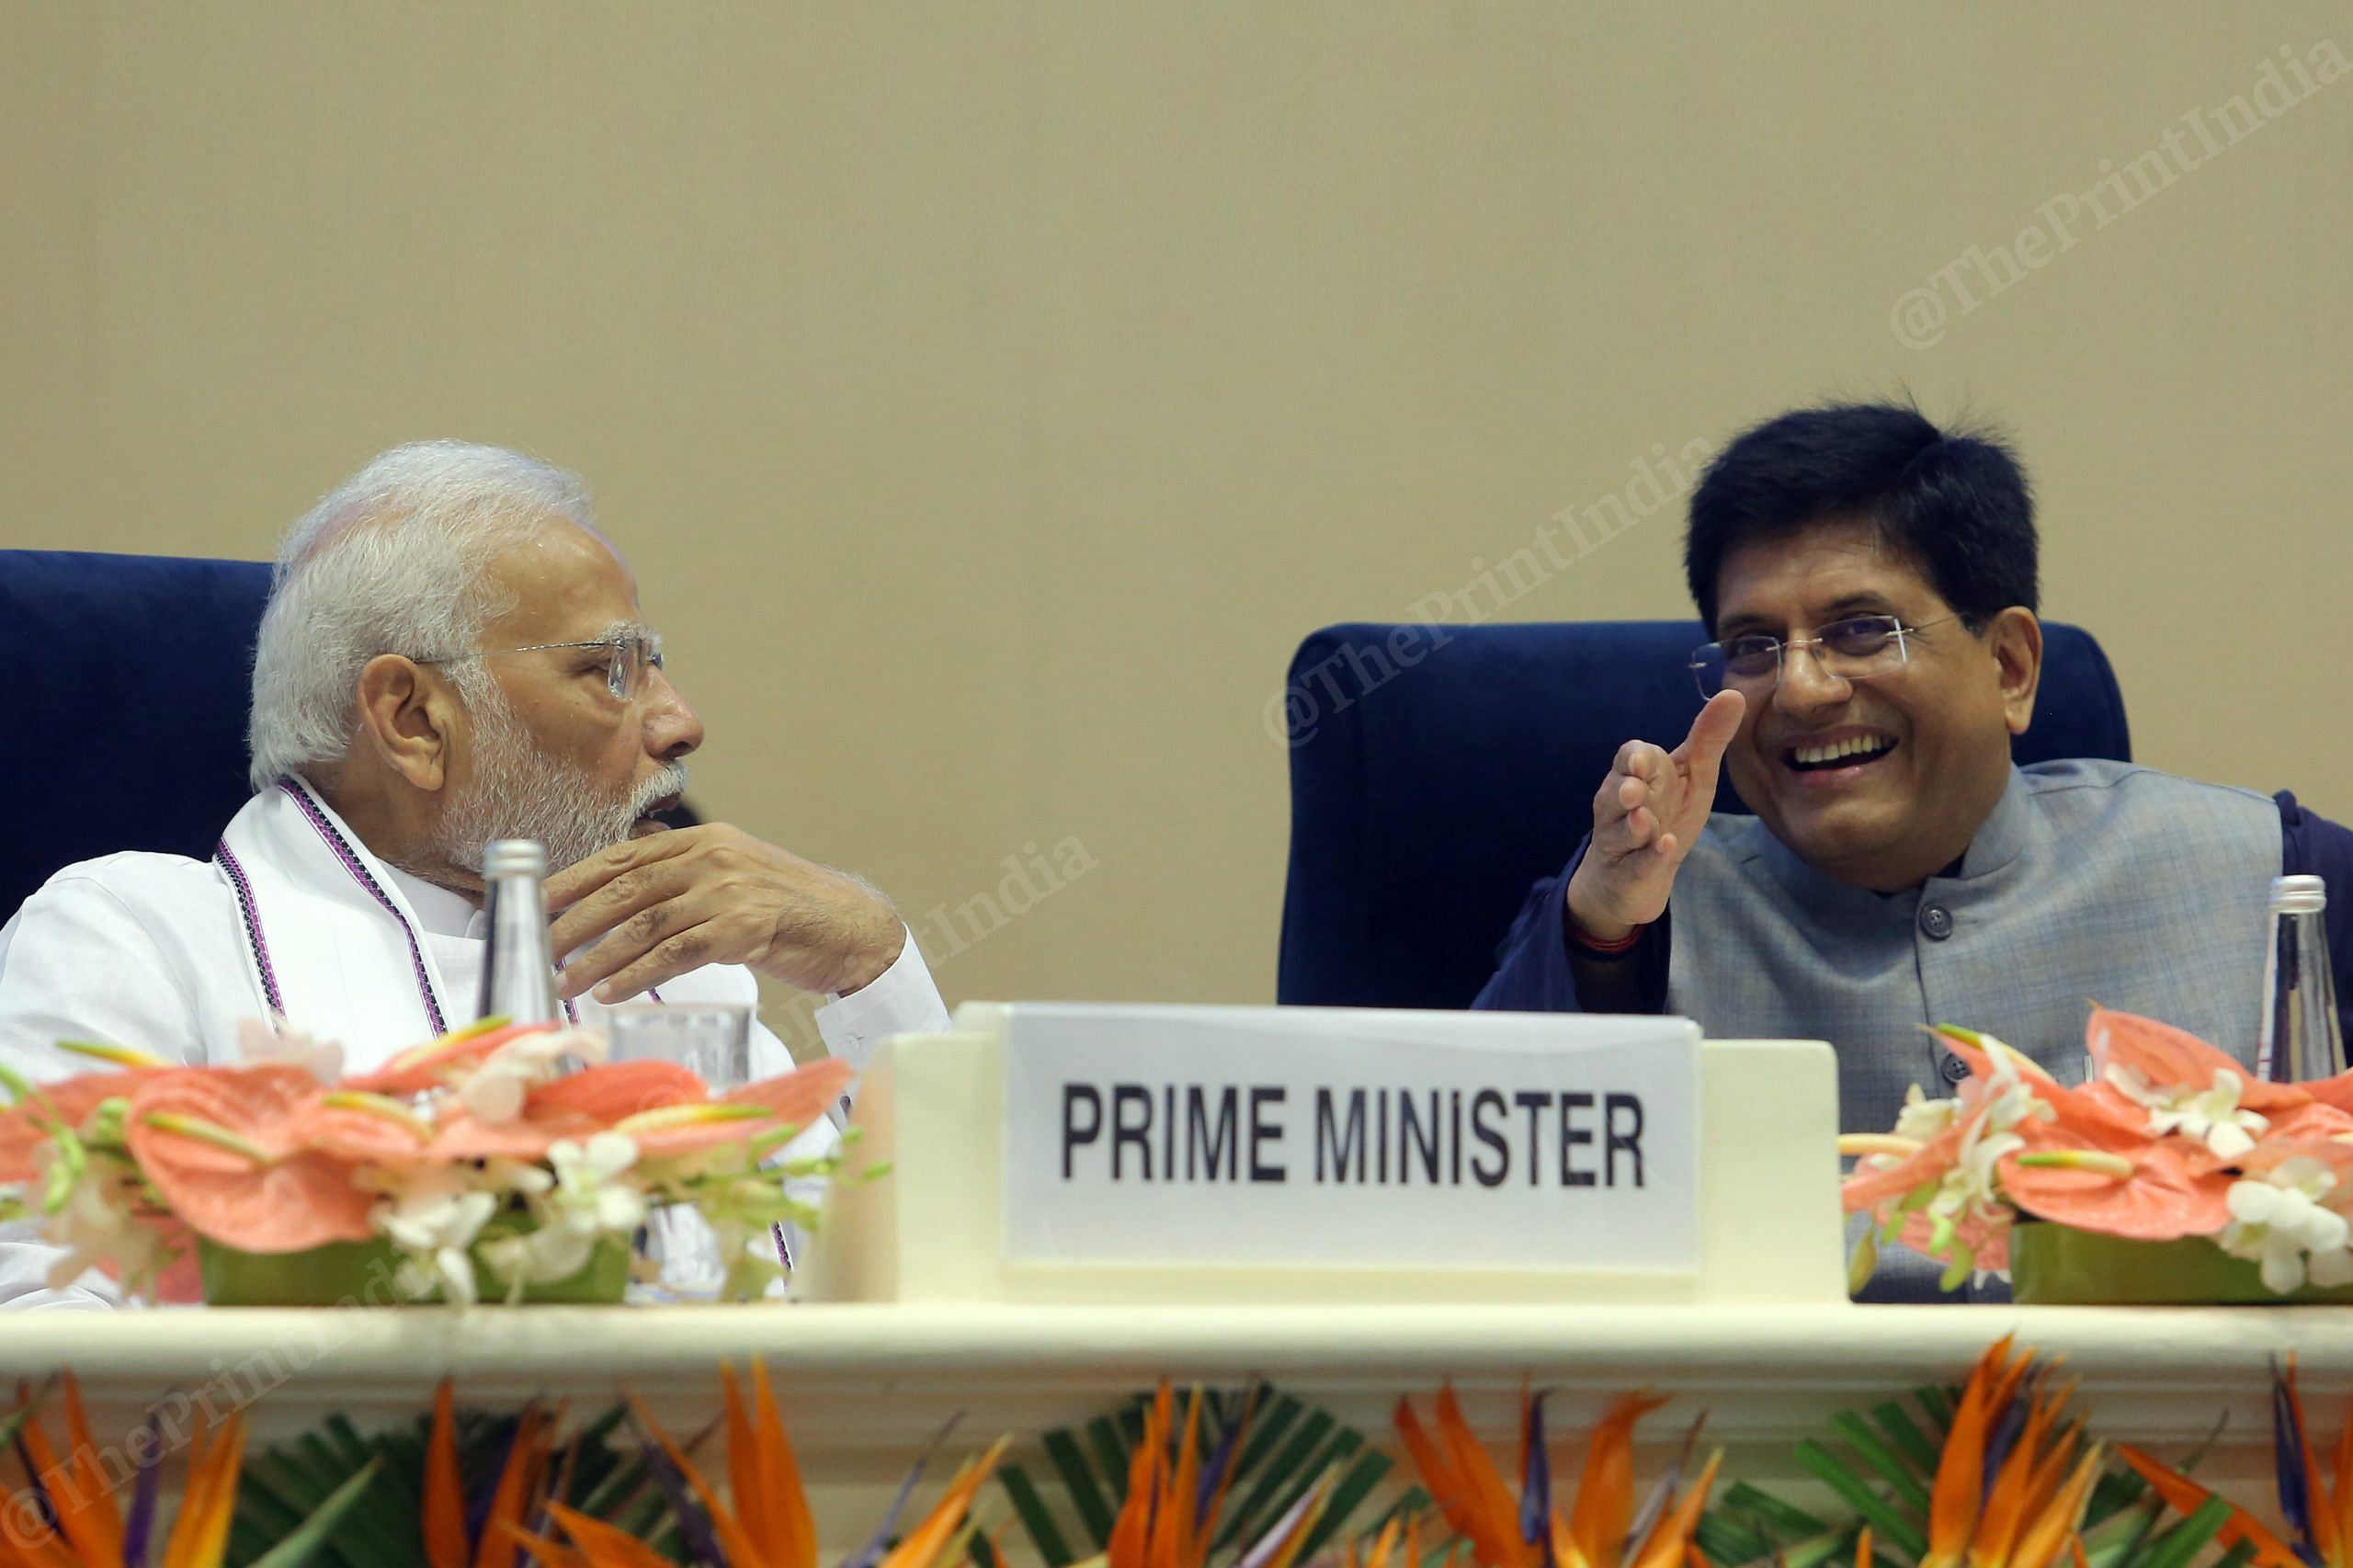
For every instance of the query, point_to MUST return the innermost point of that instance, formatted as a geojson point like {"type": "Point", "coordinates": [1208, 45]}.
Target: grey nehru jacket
{"type": "Point", "coordinates": [2092, 880]}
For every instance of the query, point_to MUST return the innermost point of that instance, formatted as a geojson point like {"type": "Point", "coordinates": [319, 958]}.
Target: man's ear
{"type": "Point", "coordinates": [409, 719]}
{"type": "Point", "coordinates": [2014, 639]}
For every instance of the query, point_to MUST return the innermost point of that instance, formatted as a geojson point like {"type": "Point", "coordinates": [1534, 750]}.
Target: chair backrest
{"type": "Point", "coordinates": [1427, 796]}
{"type": "Point", "coordinates": [131, 689]}
{"type": "Point", "coordinates": [138, 677]}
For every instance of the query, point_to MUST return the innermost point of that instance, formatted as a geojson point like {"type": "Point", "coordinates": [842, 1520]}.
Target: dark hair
{"type": "Point", "coordinates": [1956, 505]}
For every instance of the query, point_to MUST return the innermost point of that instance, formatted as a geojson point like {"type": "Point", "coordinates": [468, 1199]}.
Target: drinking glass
{"type": "Point", "coordinates": [714, 1042]}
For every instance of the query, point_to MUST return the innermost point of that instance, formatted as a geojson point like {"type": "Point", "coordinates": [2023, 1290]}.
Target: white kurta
{"type": "Point", "coordinates": [169, 955]}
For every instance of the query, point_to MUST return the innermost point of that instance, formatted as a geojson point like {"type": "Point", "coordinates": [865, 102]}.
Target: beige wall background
{"type": "Point", "coordinates": [991, 396]}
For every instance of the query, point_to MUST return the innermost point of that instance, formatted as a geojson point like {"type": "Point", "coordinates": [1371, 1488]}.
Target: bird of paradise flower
{"type": "Point", "coordinates": [61, 1511]}
{"type": "Point", "coordinates": [2319, 1515]}
{"type": "Point", "coordinates": [1177, 1491]}
{"type": "Point", "coordinates": [2014, 1482]}
{"type": "Point", "coordinates": [1602, 1528]}
{"type": "Point", "coordinates": [766, 1522]}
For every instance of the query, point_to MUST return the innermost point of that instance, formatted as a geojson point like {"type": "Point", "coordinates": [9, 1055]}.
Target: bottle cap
{"type": "Point", "coordinates": [2299, 895]}
{"type": "Point", "coordinates": [511, 856]}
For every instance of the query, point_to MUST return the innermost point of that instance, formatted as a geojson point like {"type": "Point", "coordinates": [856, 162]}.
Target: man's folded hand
{"type": "Point", "coordinates": [659, 906]}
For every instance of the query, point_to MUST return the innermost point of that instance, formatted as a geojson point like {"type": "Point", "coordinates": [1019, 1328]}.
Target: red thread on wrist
{"type": "Point", "coordinates": [1593, 944]}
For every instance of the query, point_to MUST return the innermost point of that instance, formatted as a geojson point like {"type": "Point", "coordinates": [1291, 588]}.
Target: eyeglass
{"type": "Point", "coordinates": [1853, 648]}
{"type": "Point", "coordinates": [627, 658]}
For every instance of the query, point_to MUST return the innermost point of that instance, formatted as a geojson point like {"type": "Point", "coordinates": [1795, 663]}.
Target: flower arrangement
{"type": "Point", "coordinates": [1998, 1473]}
{"type": "Point", "coordinates": [1994, 1474]}
{"type": "Point", "coordinates": [511, 1157]}
{"type": "Point", "coordinates": [2172, 1140]}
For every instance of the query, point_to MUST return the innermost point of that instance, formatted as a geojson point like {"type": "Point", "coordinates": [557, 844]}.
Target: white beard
{"type": "Point", "coordinates": [518, 791]}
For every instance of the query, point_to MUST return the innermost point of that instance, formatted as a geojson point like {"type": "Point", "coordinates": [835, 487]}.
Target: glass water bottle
{"type": "Point", "coordinates": [518, 972]}
{"type": "Point", "coordinates": [2302, 1039]}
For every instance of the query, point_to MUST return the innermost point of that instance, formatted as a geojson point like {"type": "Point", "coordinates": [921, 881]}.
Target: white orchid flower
{"type": "Point", "coordinates": [1922, 1117]}
{"type": "Point", "coordinates": [587, 1188]}
{"type": "Point", "coordinates": [586, 1202]}
{"type": "Point", "coordinates": [503, 1172]}
{"type": "Point", "coordinates": [539, 1256]}
{"type": "Point", "coordinates": [1968, 1190]}
{"type": "Point", "coordinates": [97, 1223]}
{"type": "Point", "coordinates": [2211, 1116]}
{"type": "Point", "coordinates": [434, 1221]}
{"type": "Point", "coordinates": [2279, 1222]}
{"type": "Point", "coordinates": [494, 1089]}
{"type": "Point", "coordinates": [280, 1043]}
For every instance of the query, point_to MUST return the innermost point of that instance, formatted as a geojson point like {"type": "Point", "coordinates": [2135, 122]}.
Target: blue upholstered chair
{"type": "Point", "coordinates": [131, 689]}
{"type": "Point", "coordinates": [135, 678]}
{"type": "Point", "coordinates": [1428, 790]}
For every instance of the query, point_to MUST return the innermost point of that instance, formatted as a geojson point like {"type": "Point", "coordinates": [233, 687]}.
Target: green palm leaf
{"type": "Point", "coordinates": [376, 1487]}
{"type": "Point", "coordinates": [296, 1547]}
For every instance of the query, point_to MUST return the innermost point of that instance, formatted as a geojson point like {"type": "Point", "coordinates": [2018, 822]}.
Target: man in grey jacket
{"type": "Point", "coordinates": [1871, 581]}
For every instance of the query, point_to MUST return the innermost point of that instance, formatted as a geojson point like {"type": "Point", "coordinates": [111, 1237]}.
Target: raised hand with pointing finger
{"type": "Point", "coordinates": [1646, 816]}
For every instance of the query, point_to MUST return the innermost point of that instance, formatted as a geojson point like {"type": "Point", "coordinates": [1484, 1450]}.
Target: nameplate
{"type": "Point", "coordinates": [1351, 1137]}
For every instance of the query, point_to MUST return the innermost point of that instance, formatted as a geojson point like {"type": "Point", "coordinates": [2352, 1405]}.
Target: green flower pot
{"type": "Point", "coordinates": [2059, 1266]}
{"type": "Point", "coordinates": [345, 1274]}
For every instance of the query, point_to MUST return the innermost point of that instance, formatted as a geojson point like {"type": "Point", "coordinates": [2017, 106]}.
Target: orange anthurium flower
{"type": "Point", "coordinates": [426, 1066]}
{"type": "Point", "coordinates": [1988, 1241]}
{"type": "Point", "coordinates": [223, 1146]}
{"type": "Point", "coordinates": [364, 1128]}
{"type": "Point", "coordinates": [2169, 1058]}
{"type": "Point", "coordinates": [661, 1107]}
{"type": "Point", "coordinates": [24, 1128]}
{"type": "Point", "coordinates": [2163, 1198]}
{"type": "Point", "coordinates": [611, 1091]}
{"type": "Point", "coordinates": [1869, 1188]}
{"type": "Point", "coordinates": [2314, 1123]}
{"type": "Point", "coordinates": [798, 1097]}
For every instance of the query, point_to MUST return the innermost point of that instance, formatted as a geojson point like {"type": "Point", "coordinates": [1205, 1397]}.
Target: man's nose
{"type": "Point", "coordinates": [672, 727]}
{"type": "Point", "coordinates": [1806, 684]}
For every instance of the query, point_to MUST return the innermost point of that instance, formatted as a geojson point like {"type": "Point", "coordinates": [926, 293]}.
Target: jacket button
{"type": "Point", "coordinates": [1936, 921]}
{"type": "Point", "coordinates": [1955, 1069]}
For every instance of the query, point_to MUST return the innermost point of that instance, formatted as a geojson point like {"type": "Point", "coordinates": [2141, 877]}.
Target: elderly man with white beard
{"type": "Point", "coordinates": [451, 654]}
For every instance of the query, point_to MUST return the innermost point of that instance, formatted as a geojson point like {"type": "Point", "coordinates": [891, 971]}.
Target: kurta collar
{"type": "Point", "coordinates": [440, 912]}
{"type": "Point", "coordinates": [333, 942]}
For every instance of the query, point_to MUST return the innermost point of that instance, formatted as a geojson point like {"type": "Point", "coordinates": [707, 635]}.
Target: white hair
{"type": "Point", "coordinates": [395, 560]}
